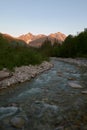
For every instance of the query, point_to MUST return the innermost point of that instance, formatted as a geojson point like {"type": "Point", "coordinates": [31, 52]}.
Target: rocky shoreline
{"type": "Point", "coordinates": [77, 61]}
{"type": "Point", "coordinates": [25, 73]}
{"type": "Point", "coordinates": [22, 74]}
{"type": "Point", "coordinates": [56, 100]}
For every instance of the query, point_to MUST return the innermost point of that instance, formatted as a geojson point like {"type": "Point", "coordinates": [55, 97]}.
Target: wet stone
{"type": "Point", "coordinates": [71, 78]}
{"type": "Point", "coordinates": [60, 128]}
{"type": "Point", "coordinates": [7, 111]}
{"type": "Point", "coordinates": [74, 85]}
{"type": "Point", "coordinates": [84, 92]}
{"type": "Point", "coordinates": [17, 122]}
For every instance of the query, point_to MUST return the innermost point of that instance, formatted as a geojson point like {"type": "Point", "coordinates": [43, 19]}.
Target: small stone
{"type": "Point", "coordinates": [71, 78]}
{"type": "Point", "coordinates": [17, 122]}
{"type": "Point", "coordinates": [60, 128]}
{"type": "Point", "coordinates": [4, 74]}
{"type": "Point", "coordinates": [84, 92]}
{"type": "Point", "coordinates": [74, 85]}
{"type": "Point", "coordinates": [14, 104]}
{"type": "Point", "coordinates": [8, 84]}
{"type": "Point", "coordinates": [45, 99]}
{"type": "Point", "coordinates": [60, 74]}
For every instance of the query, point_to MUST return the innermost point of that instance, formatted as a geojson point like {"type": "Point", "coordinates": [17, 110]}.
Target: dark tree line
{"type": "Point", "coordinates": [73, 46]}
{"type": "Point", "coordinates": [12, 55]}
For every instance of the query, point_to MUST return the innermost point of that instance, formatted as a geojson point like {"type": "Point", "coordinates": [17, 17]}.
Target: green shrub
{"type": "Point", "coordinates": [12, 56]}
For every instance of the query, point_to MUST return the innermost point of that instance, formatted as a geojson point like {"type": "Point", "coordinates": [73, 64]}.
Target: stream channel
{"type": "Point", "coordinates": [47, 102]}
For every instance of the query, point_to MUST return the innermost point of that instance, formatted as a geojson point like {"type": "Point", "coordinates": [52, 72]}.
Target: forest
{"type": "Point", "coordinates": [12, 55]}
{"type": "Point", "coordinates": [73, 46]}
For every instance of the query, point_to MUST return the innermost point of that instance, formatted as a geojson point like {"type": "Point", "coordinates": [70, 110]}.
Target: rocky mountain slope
{"type": "Point", "coordinates": [5, 38]}
{"type": "Point", "coordinates": [32, 40]}
{"type": "Point", "coordinates": [59, 36]}
{"type": "Point", "coordinates": [30, 37]}
{"type": "Point", "coordinates": [37, 40]}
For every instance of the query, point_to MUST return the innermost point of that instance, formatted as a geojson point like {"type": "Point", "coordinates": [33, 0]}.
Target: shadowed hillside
{"type": "Point", "coordinates": [14, 52]}
{"type": "Point", "coordinates": [5, 38]}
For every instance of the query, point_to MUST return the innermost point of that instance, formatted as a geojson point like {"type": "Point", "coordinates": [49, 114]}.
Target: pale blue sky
{"type": "Point", "coordinates": [42, 16]}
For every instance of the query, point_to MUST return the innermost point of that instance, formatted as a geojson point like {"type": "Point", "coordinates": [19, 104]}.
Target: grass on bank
{"type": "Point", "coordinates": [12, 56]}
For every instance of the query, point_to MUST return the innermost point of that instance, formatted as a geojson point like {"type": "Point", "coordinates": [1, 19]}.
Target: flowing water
{"type": "Point", "coordinates": [48, 100]}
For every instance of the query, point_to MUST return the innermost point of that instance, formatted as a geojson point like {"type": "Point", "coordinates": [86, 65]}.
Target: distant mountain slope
{"type": "Point", "coordinates": [32, 40]}
{"type": "Point", "coordinates": [6, 38]}
{"type": "Point", "coordinates": [37, 40]}
{"type": "Point", "coordinates": [27, 37]}
{"type": "Point", "coordinates": [30, 37]}
{"type": "Point", "coordinates": [59, 36]}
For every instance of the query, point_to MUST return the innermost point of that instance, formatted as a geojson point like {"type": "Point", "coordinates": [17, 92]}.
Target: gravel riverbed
{"type": "Point", "coordinates": [53, 100]}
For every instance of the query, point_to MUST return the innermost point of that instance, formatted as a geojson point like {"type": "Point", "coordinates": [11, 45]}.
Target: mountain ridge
{"type": "Point", "coordinates": [34, 40]}
{"type": "Point", "coordinates": [11, 40]}
{"type": "Point", "coordinates": [37, 40]}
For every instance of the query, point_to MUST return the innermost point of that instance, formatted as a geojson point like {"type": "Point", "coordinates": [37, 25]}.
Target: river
{"type": "Point", "coordinates": [49, 102]}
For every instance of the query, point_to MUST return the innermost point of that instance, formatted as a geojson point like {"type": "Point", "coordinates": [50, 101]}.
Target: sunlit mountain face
{"type": "Point", "coordinates": [37, 40]}
{"type": "Point", "coordinates": [33, 40]}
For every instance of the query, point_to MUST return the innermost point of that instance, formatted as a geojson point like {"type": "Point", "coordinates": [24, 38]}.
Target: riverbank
{"type": "Point", "coordinates": [76, 61]}
{"type": "Point", "coordinates": [22, 74]}
{"type": "Point", "coordinates": [25, 73]}
{"type": "Point", "coordinates": [54, 100]}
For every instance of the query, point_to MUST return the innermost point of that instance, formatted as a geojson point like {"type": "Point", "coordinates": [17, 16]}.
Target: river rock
{"type": "Point", "coordinates": [60, 74]}
{"type": "Point", "coordinates": [18, 122]}
{"type": "Point", "coordinates": [77, 61]}
{"type": "Point", "coordinates": [84, 92]}
{"type": "Point", "coordinates": [71, 78]}
{"type": "Point", "coordinates": [7, 111]}
{"type": "Point", "coordinates": [4, 74]}
{"type": "Point", "coordinates": [74, 85]}
{"type": "Point", "coordinates": [45, 112]}
{"type": "Point", "coordinates": [60, 128]}
{"type": "Point", "coordinates": [22, 74]}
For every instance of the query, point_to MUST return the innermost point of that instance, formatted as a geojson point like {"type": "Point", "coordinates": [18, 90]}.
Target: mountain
{"type": "Point", "coordinates": [59, 36]}
{"type": "Point", "coordinates": [37, 40]}
{"type": "Point", "coordinates": [30, 37]}
{"type": "Point", "coordinates": [27, 37]}
{"type": "Point", "coordinates": [32, 40]}
{"type": "Point", "coordinates": [6, 38]}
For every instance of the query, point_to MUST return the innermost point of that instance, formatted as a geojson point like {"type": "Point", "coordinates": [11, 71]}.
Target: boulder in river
{"type": "Point", "coordinates": [84, 92]}
{"type": "Point", "coordinates": [74, 85]}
